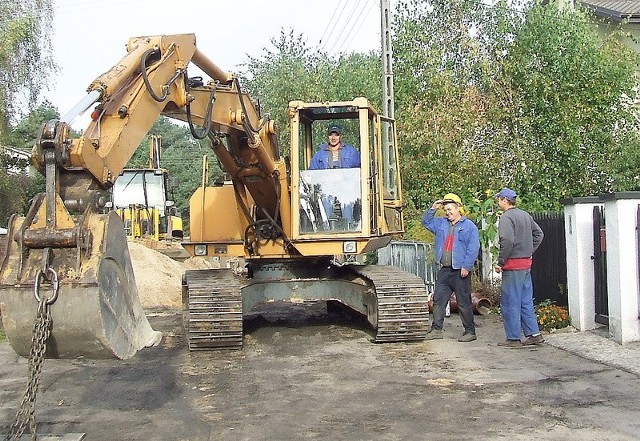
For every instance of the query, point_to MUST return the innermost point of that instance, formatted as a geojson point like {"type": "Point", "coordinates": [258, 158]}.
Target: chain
{"type": "Point", "coordinates": [41, 332]}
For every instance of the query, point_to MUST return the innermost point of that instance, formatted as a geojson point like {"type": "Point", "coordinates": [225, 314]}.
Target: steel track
{"type": "Point", "coordinates": [403, 310]}
{"type": "Point", "coordinates": [214, 309]}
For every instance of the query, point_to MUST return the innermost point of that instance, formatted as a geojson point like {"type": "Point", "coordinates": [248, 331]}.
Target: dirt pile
{"type": "Point", "coordinates": [159, 278]}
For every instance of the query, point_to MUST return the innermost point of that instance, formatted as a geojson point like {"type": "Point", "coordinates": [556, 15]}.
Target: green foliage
{"type": "Point", "coordinates": [528, 97]}
{"type": "Point", "coordinates": [291, 70]}
{"type": "Point", "coordinates": [16, 190]}
{"type": "Point", "coordinates": [25, 54]}
{"type": "Point", "coordinates": [11, 189]}
{"type": "Point", "coordinates": [484, 212]}
{"type": "Point", "coordinates": [24, 133]}
{"type": "Point", "coordinates": [571, 88]}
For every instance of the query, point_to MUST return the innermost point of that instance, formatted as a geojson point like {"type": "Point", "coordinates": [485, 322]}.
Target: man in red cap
{"type": "Point", "coordinates": [519, 237]}
{"type": "Point", "coordinates": [457, 244]}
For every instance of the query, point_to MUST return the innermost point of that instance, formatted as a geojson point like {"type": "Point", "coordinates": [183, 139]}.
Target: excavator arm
{"type": "Point", "coordinates": [150, 80]}
{"type": "Point", "coordinates": [67, 244]}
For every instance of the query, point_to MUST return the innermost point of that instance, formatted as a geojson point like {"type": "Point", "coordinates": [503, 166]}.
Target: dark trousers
{"type": "Point", "coordinates": [449, 281]}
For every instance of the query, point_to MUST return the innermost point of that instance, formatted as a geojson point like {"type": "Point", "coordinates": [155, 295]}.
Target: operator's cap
{"type": "Point", "coordinates": [508, 194]}
{"type": "Point", "coordinates": [451, 197]}
{"type": "Point", "coordinates": [334, 129]}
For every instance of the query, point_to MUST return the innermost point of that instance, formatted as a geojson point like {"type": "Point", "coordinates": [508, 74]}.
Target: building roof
{"type": "Point", "coordinates": [616, 10]}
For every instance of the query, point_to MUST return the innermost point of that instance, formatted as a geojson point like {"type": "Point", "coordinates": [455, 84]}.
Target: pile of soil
{"type": "Point", "coordinates": [159, 278]}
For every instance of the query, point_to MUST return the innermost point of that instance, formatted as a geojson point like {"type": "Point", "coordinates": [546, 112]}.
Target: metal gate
{"type": "Point", "coordinates": [600, 266]}
{"type": "Point", "coordinates": [413, 257]}
{"type": "Point", "coordinates": [549, 270]}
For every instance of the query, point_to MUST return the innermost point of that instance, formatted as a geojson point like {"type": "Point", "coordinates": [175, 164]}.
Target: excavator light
{"type": "Point", "coordinates": [349, 247]}
{"type": "Point", "coordinates": [200, 250]}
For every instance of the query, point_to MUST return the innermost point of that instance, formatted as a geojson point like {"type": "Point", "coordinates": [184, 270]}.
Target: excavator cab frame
{"type": "Point", "coordinates": [141, 198]}
{"type": "Point", "coordinates": [367, 199]}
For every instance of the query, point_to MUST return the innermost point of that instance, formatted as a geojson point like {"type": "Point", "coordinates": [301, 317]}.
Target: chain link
{"type": "Point", "coordinates": [41, 332]}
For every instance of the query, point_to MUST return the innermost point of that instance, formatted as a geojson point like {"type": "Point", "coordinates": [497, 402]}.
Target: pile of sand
{"type": "Point", "coordinates": [159, 278]}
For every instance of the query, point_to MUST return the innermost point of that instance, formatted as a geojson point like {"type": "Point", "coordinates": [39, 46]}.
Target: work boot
{"type": "Point", "coordinates": [434, 334]}
{"type": "Point", "coordinates": [533, 340]}
{"type": "Point", "coordinates": [511, 344]}
{"type": "Point", "coordinates": [467, 336]}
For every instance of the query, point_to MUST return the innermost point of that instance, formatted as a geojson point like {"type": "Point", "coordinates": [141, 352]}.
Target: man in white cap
{"type": "Point", "coordinates": [519, 237]}
{"type": "Point", "coordinates": [457, 243]}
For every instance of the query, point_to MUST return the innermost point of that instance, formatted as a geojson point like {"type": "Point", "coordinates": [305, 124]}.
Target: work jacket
{"type": "Point", "coordinates": [349, 158]}
{"type": "Point", "coordinates": [466, 240]}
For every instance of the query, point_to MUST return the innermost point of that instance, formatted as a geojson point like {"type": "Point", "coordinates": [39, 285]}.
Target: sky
{"type": "Point", "coordinates": [89, 36]}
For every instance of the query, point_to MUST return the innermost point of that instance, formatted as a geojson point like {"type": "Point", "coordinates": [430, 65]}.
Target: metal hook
{"type": "Point", "coordinates": [51, 276]}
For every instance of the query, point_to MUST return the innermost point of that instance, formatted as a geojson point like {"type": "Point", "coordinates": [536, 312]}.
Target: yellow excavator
{"type": "Point", "coordinates": [299, 229]}
{"type": "Point", "coordinates": [140, 196]}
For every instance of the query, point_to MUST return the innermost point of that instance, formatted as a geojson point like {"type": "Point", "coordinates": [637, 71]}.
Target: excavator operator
{"type": "Point", "coordinates": [335, 153]}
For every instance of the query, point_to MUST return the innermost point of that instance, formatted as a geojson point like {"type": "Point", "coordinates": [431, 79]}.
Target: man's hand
{"type": "Point", "coordinates": [464, 272]}
{"type": "Point", "coordinates": [437, 204]}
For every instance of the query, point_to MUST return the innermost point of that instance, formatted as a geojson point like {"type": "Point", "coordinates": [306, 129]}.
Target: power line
{"type": "Point", "coordinates": [347, 25]}
{"type": "Point", "coordinates": [354, 30]}
{"type": "Point", "coordinates": [329, 23]}
{"type": "Point", "coordinates": [333, 27]}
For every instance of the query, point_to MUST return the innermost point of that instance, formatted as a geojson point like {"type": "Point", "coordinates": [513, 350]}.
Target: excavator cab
{"type": "Point", "coordinates": [141, 199]}
{"type": "Point", "coordinates": [360, 204]}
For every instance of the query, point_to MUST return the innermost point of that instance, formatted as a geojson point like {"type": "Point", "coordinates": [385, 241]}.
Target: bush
{"type": "Point", "coordinates": [552, 316]}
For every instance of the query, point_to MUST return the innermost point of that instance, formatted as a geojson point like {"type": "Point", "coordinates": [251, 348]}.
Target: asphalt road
{"type": "Point", "coordinates": [306, 375]}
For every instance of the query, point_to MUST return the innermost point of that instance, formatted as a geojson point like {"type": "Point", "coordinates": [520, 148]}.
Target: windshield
{"type": "Point", "coordinates": [132, 186]}
{"type": "Point", "coordinates": [330, 200]}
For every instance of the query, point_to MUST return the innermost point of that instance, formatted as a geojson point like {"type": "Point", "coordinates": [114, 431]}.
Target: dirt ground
{"type": "Point", "coordinates": [306, 374]}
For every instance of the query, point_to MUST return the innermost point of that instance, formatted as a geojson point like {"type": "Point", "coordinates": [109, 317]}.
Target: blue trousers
{"type": "Point", "coordinates": [447, 282]}
{"type": "Point", "coordinates": [516, 304]}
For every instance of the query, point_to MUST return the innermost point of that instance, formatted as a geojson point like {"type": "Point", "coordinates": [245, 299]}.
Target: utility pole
{"type": "Point", "coordinates": [388, 107]}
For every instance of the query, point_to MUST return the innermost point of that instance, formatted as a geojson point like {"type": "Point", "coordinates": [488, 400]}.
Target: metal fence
{"type": "Point", "coordinates": [411, 256]}
{"type": "Point", "coordinates": [549, 270]}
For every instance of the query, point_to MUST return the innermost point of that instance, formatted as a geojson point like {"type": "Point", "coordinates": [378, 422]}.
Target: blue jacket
{"type": "Point", "coordinates": [466, 240]}
{"type": "Point", "coordinates": [349, 158]}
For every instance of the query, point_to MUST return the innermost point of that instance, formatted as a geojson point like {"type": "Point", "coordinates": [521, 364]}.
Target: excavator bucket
{"type": "Point", "coordinates": [97, 313]}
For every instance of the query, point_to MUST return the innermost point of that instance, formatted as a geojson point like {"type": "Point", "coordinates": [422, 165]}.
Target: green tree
{"type": "Point", "coordinates": [25, 55]}
{"type": "Point", "coordinates": [17, 189]}
{"type": "Point", "coordinates": [571, 88]}
{"type": "Point", "coordinates": [527, 96]}
{"type": "Point", "coordinates": [291, 70]}
{"type": "Point", "coordinates": [11, 185]}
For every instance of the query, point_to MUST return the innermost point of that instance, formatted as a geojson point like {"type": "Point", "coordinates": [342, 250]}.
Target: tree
{"type": "Point", "coordinates": [291, 70]}
{"type": "Point", "coordinates": [572, 88]}
{"type": "Point", "coordinates": [526, 96]}
{"type": "Point", "coordinates": [25, 55]}
{"type": "Point", "coordinates": [17, 189]}
{"type": "Point", "coordinates": [446, 119]}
